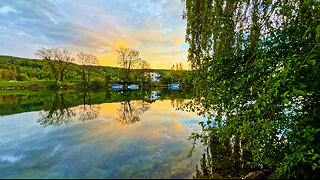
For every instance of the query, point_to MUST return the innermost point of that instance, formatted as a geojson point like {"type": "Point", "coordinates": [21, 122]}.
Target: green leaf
{"type": "Point", "coordinates": [307, 31]}
{"type": "Point", "coordinates": [258, 111]}
{"type": "Point", "coordinates": [318, 28]}
{"type": "Point", "coordinates": [300, 92]}
{"type": "Point", "coordinates": [277, 84]}
{"type": "Point", "coordinates": [318, 33]}
{"type": "Point", "coordinates": [285, 94]}
{"type": "Point", "coordinates": [314, 166]}
{"type": "Point", "coordinates": [286, 101]}
{"type": "Point", "coordinates": [302, 86]}
{"type": "Point", "coordinates": [311, 62]}
{"type": "Point", "coordinates": [315, 157]}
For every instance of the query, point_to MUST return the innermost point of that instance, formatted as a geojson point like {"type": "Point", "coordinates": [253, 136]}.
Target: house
{"type": "Point", "coordinates": [153, 96]}
{"type": "Point", "coordinates": [155, 77]}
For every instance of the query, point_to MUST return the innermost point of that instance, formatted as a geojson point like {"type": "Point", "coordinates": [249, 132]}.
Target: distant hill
{"type": "Point", "coordinates": [20, 69]}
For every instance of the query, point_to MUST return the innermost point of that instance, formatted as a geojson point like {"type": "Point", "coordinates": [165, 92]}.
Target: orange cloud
{"type": "Point", "coordinates": [160, 48]}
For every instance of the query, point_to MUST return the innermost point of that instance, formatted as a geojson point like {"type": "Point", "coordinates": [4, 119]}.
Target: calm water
{"type": "Point", "coordinates": [96, 134]}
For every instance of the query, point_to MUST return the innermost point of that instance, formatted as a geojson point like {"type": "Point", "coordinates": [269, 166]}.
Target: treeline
{"type": "Point", "coordinates": [24, 69]}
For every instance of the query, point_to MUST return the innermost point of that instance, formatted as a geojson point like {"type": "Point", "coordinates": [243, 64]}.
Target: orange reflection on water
{"type": "Point", "coordinates": [158, 122]}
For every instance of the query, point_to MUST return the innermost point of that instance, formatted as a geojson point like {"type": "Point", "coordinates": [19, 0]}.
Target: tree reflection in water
{"type": "Point", "coordinates": [130, 111]}
{"type": "Point", "coordinates": [87, 111]}
{"type": "Point", "coordinates": [223, 160]}
{"type": "Point", "coordinates": [59, 112]}
{"type": "Point", "coordinates": [177, 103]}
{"type": "Point", "coordinates": [62, 111]}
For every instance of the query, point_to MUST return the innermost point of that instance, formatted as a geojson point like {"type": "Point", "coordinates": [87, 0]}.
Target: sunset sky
{"type": "Point", "coordinates": [153, 27]}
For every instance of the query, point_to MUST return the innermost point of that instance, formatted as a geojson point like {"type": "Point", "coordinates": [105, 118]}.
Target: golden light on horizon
{"type": "Point", "coordinates": [160, 50]}
{"type": "Point", "coordinates": [156, 29]}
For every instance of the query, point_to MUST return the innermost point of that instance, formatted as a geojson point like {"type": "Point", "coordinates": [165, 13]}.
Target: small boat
{"type": "Point", "coordinates": [174, 85]}
{"type": "Point", "coordinates": [117, 87]}
{"type": "Point", "coordinates": [133, 86]}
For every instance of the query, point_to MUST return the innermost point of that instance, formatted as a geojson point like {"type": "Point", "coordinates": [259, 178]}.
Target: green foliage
{"type": "Point", "coordinates": [27, 84]}
{"type": "Point", "coordinates": [24, 77]}
{"type": "Point", "coordinates": [23, 69]}
{"type": "Point", "coordinates": [15, 68]}
{"type": "Point", "coordinates": [256, 70]}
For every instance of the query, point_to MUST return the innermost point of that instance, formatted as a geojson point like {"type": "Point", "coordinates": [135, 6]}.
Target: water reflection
{"type": "Point", "coordinates": [96, 134]}
{"type": "Point", "coordinates": [177, 103]}
{"type": "Point", "coordinates": [63, 107]}
{"type": "Point", "coordinates": [87, 111]}
{"type": "Point", "coordinates": [59, 112]}
{"type": "Point", "coordinates": [130, 111]}
{"type": "Point", "coordinates": [224, 160]}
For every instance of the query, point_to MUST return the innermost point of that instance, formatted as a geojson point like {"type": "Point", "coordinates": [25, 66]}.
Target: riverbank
{"type": "Point", "coordinates": [6, 85]}
{"type": "Point", "coordinates": [16, 85]}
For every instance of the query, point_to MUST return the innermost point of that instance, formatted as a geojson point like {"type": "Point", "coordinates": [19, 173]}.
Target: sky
{"type": "Point", "coordinates": [99, 27]}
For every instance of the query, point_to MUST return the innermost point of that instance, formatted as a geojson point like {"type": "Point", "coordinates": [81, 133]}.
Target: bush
{"type": "Point", "coordinates": [24, 77]}
{"type": "Point", "coordinates": [97, 82]}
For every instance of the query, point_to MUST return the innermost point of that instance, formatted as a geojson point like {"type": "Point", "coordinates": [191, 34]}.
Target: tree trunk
{"type": "Point", "coordinates": [61, 76]}
{"type": "Point", "coordinates": [84, 75]}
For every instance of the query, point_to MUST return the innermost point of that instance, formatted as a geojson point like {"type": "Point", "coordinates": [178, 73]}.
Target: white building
{"type": "Point", "coordinates": [153, 96]}
{"type": "Point", "coordinates": [155, 77]}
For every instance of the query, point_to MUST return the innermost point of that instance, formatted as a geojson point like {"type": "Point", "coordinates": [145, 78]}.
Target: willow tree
{"type": "Point", "coordinates": [257, 64]}
{"type": "Point", "coordinates": [59, 61]}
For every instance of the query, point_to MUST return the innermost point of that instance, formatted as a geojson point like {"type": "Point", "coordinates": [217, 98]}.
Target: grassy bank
{"type": "Point", "coordinates": [5, 85]}
{"type": "Point", "coordinates": [8, 85]}
{"type": "Point", "coordinates": [26, 84]}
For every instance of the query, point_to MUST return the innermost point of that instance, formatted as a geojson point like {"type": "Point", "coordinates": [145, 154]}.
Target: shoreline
{"type": "Point", "coordinates": [34, 85]}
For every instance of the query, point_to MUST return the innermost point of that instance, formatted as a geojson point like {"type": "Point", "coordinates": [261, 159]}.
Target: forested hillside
{"type": "Point", "coordinates": [24, 69]}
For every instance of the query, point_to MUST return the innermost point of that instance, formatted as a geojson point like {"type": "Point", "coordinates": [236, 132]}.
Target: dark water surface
{"type": "Point", "coordinates": [96, 134]}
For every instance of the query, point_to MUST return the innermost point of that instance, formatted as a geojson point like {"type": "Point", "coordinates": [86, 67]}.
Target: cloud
{"type": "Point", "coordinates": [155, 28]}
{"type": "Point", "coordinates": [10, 158]}
{"type": "Point", "coordinates": [6, 10]}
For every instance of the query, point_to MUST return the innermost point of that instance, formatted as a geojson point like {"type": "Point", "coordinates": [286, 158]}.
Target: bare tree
{"type": "Point", "coordinates": [87, 61]}
{"type": "Point", "coordinates": [59, 61]}
{"type": "Point", "coordinates": [128, 58]}
{"type": "Point", "coordinates": [143, 64]}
